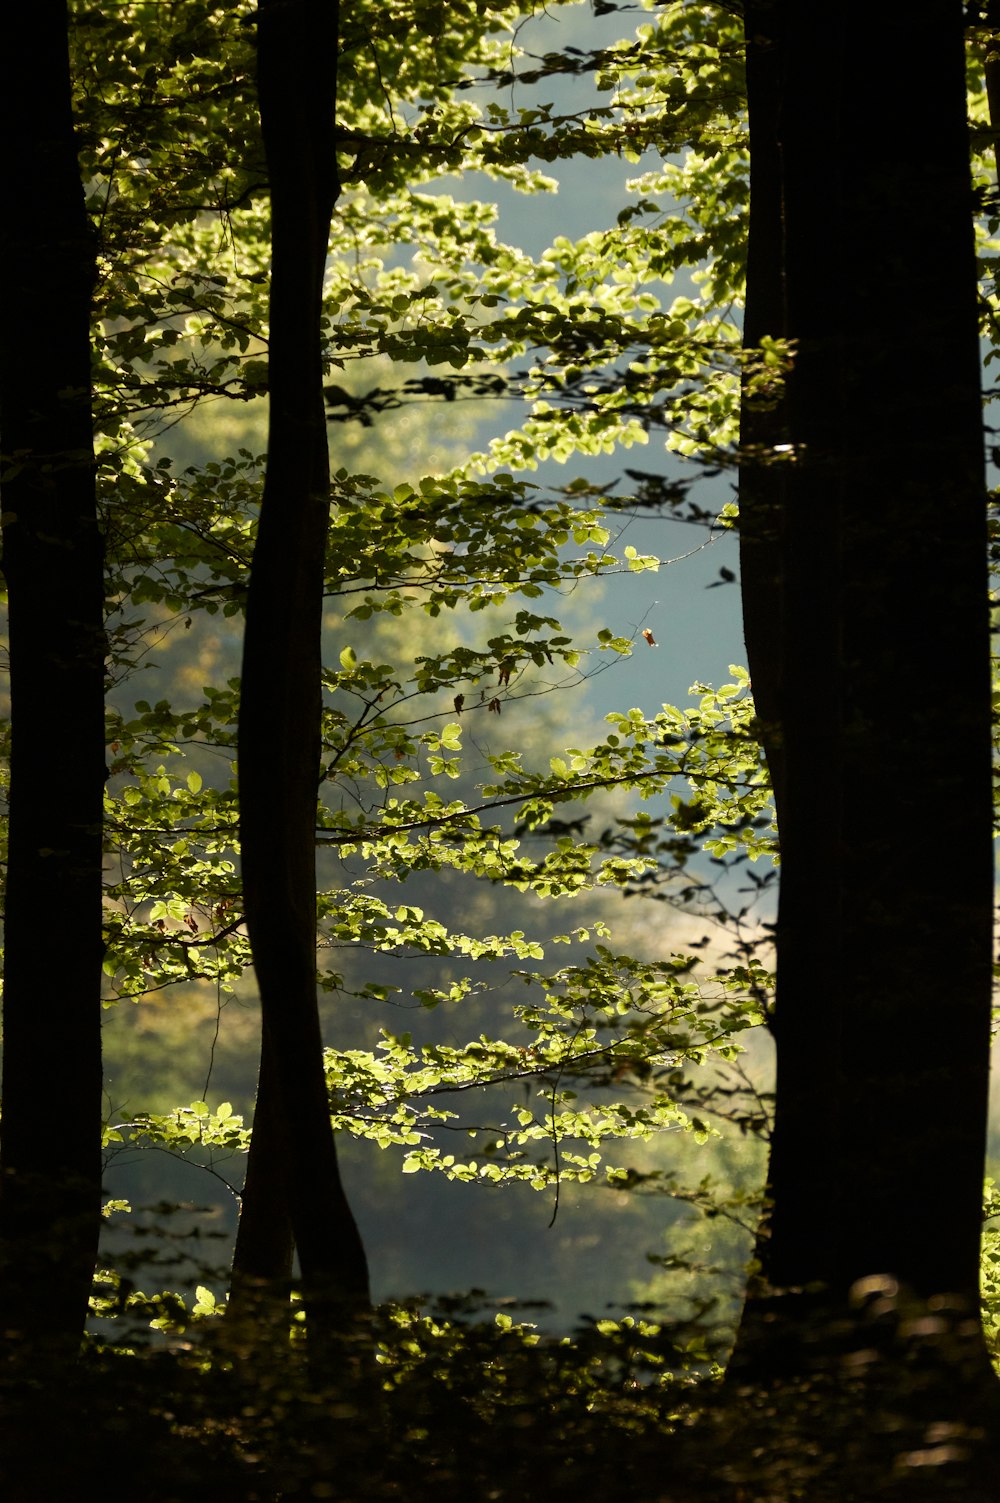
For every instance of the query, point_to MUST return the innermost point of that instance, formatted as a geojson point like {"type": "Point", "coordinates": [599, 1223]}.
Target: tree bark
{"type": "Point", "coordinates": [294, 1167]}
{"type": "Point", "coordinates": [50, 1140]}
{"type": "Point", "coordinates": [882, 695]}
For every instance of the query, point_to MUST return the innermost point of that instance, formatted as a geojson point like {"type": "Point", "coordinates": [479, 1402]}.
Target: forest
{"type": "Point", "coordinates": [497, 545]}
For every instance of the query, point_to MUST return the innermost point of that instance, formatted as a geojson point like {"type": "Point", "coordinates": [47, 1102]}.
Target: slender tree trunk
{"type": "Point", "coordinates": [882, 710]}
{"type": "Point", "coordinates": [50, 1141]}
{"type": "Point", "coordinates": [264, 1243]}
{"type": "Point", "coordinates": [294, 1167]}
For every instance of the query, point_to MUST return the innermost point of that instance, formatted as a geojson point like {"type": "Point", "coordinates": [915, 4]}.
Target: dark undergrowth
{"type": "Point", "coordinates": [463, 1410]}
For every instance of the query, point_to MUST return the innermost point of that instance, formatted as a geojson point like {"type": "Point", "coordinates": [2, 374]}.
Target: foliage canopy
{"type": "Point", "coordinates": [594, 354]}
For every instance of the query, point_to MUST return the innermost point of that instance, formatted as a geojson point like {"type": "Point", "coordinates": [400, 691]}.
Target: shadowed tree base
{"type": "Point", "coordinates": [885, 1395]}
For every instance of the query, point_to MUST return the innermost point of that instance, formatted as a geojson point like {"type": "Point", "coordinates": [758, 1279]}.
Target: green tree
{"type": "Point", "coordinates": [448, 543]}
{"type": "Point", "coordinates": [293, 1175]}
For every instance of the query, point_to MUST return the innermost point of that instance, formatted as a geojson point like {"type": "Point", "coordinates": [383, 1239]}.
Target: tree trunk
{"type": "Point", "coordinates": [882, 695]}
{"type": "Point", "coordinates": [50, 1147]}
{"type": "Point", "coordinates": [294, 1159]}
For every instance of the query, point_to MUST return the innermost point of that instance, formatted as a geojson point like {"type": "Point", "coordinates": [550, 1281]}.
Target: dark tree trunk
{"type": "Point", "coordinates": [50, 1147]}
{"type": "Point", "coordinates": [294, 1167]}
{"type": "Point", "coordinates": [264, 1244]}
{"type": "Point", "coordinates": [877, 678]}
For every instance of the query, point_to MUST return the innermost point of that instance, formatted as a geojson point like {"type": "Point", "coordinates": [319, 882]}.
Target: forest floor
{"type": "Point", "coordinates": [459, 1426]}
